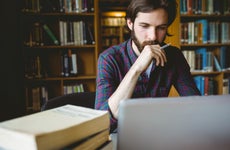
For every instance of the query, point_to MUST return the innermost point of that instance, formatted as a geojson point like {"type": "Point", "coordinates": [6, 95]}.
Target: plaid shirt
{"type": "Point", "coordinates": [116, 61]}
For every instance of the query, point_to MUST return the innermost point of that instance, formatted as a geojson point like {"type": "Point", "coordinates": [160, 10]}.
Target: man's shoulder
{"type": "Point", "coordinates": [115, 49]}
{"type": "Point", "coordinates": [172, 50]}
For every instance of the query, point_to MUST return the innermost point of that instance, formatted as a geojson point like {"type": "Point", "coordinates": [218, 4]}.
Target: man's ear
{"type": "Point", "coordinates": [129, 24]}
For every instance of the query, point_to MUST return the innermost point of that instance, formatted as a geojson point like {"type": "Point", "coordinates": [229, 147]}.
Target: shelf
{"type": "Point", "coordinates": [207, 31]}
{"type": "Point", "coordinates": [211, 16]}
{"type": "Point", "coordinates": [90, 77]}
{"type": "Point", "coordinates": [204, 45]}
{"type": "Point", "coordinates": [55, 14]}
{"type": "Point", "coordinates": [206, 72]}
{"type": "Point", "coordinates": [60, 47]}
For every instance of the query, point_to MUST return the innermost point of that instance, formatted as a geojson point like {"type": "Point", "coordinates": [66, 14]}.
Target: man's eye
{"type": "Point", "coordinates": [162, 28]}
{"type": "Point", "coordinates": [144, 26]}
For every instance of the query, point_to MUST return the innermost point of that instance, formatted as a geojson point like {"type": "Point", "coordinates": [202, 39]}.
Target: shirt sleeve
{"type": "Point", "coordinates": [184, 83]}
{"type": "Point", "coordinates": [105, 85]}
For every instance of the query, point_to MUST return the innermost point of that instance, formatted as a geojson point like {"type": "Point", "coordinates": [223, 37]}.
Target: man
{"type": "Point", "coordinates": [140, 67]}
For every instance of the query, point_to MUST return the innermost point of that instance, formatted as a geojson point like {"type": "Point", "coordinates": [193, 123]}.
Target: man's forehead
{"type": "Point", "coordinates": [159, 15]}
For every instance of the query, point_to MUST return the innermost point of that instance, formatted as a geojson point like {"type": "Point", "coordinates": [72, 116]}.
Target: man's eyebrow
{"type": "Point", "coordinates": [145, 23]}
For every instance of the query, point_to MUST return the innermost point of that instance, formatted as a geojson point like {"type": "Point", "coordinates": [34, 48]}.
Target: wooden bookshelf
{"type": "Point", "coordinates": [218, 76]}
{"type": "Point", "coordinates": [215, 16]}
{"type": "Point", "coordinates": [113, 28]}
{"type": "Point", "coordinates": [44, 60]}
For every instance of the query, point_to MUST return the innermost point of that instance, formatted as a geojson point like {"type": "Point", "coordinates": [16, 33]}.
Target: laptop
{"type": "Point", "coordinates": [175, 123]}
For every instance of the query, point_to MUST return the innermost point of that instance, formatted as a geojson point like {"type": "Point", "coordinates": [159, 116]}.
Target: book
{"type": "Point", "coordinates": [199, 81]}
{"type": "Point", "coordinates": [217, 64]}
{"type": "Point", "coordinates": [74, 64]}
{"type": "Point", "coordinates": [70, 61]}
{"type": "Point", "coordinates": [225, 86]}
{"type": "Point", "coordinates": [203, 31]}
{"type": "Point", "coordinates": [203, 52]}
{"type": "Point", "coordinates": [52, 129]}
{"type": "Point", "coordinates": [36, 99]}
{"type": "Point", "coordinates": [223, 50]}
{"type": "Point", "coordinates": [209, 61]}
{"type": "Point", "coordinates": [90, 37]}
{"type": "Point", "coordinates": [51, 34]}
{"type": "Point", "coordinates": [66, 64]}
{"type": "Point", "coordinates": [89, 143]}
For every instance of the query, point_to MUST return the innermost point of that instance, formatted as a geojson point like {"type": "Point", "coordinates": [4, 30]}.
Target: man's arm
{"type": "Point", "coordinates": [127, 85]}
{"type": "Point", "coordinates": [184, 82]}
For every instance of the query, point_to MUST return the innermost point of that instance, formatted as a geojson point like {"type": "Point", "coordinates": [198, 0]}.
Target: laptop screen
{"type": "Point", "coordinates": [175, 123]}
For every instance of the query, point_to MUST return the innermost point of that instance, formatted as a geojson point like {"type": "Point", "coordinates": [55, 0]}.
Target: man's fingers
{"type": "Point", "coordinates": [159, 56]}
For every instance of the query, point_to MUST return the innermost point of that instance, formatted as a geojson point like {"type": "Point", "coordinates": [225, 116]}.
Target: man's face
{"type": "Point", "coordinates": [149, 28]}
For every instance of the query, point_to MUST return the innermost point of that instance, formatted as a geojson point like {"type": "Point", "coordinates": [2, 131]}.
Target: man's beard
{"type": "Point", "coordinates": [140, 45]}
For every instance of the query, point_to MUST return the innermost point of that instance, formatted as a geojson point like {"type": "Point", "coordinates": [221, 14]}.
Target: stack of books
{"type": "Point", "coordinates": [65, 127]}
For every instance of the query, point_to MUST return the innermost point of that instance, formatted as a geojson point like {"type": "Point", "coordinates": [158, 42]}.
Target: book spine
{"type": "Point", "coordinates": [66, 65]}
{"type": "Point", "coordinates": [223, 56]}
{"type": "Point", "coordinates": [198, 81]}
{"type": "Point", "coordinates": [203, 52]}
{"type": "Point", "coordinates": [90, 35]}
{"type": "Point", "coordinates": [61, 6]}
{"type": "Point", "coordinates": [51, 35]}
{"type": "Point", "coordinates": [74, 64]}
{"type": "Point", "coordinates": [70, 63]}
{"type": "Point", "coordinates": [61, 32]}
{"type": "Point", "coordinates": [225, 86]}
{"type": "Point", "coordinates": [217, 64]}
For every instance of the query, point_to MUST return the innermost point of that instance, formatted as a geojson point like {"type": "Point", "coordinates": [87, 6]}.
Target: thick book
{"type": "Point", "coordinates": [92, 142]}
{"type": "Point", "coordinates": [52, 129]}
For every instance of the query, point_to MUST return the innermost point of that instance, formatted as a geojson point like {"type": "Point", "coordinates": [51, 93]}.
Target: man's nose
{"type": "Point", "coordinates": [152, 34]}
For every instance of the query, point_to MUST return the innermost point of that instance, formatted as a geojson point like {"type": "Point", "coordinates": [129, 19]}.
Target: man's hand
{"type": "Point", "coordinates": [149, 53]}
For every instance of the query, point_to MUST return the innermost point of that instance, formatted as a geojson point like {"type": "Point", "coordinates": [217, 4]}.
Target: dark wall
{"type": "Point", "coordinates": [12, 102]}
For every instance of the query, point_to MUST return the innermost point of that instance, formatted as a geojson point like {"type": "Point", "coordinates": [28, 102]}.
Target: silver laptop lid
{"type": "Point", "coordinates": [175, 123]}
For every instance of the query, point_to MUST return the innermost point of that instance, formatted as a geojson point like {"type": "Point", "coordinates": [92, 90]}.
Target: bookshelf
{"type": "Point", "coordinates": [113, 27]}
{"type": "Point", "coordinates": [205, 28]}
{"type": "Point", "coordinates": [63, 61]}
{"type": "Point", "coordinates": [113, 23]}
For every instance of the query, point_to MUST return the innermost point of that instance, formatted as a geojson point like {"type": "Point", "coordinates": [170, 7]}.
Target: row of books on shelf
{"type": "Point", "coordinates": [208, 86]}
{"type": "Point", "coordinates": [76, 33]}
{"type": "Point", "coordinates": [108, 41]}
{"type": "Point", "coordinates": [69, 64]}
{"type": "Point", "coordinates": [202, 59]}
{"type": "Point", "coordinates": [203, 31]}
{"type": "Point", "coordinates": [75, 88]}
{"type": "Point", "coordinates": [111, 31]}
{"type": "Point", "coordinates": [63, 6]}
{"type": "Point", "coordinates": [113, 21]}
{"type": "Point", "coordinates": [37, 96]}
{"type": "Point", "coordinates": [207, 7]}
{"type": "Point", "coordinates": [35, 68]}
{"type": "Point", "coordinates": [64, 128]}
{"type": "Point", "coordinates": [70, 33]}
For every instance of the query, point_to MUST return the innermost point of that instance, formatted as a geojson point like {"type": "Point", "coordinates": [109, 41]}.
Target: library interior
{"type": "Point", "coordinates": [50, 48]}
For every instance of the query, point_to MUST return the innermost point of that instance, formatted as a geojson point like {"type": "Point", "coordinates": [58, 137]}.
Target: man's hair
{"type": "Point", "coordinates": [145, 6]}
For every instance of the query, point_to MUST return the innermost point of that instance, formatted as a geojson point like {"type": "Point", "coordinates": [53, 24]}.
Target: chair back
{"type": "Point", "coordinates": [85, 99]}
